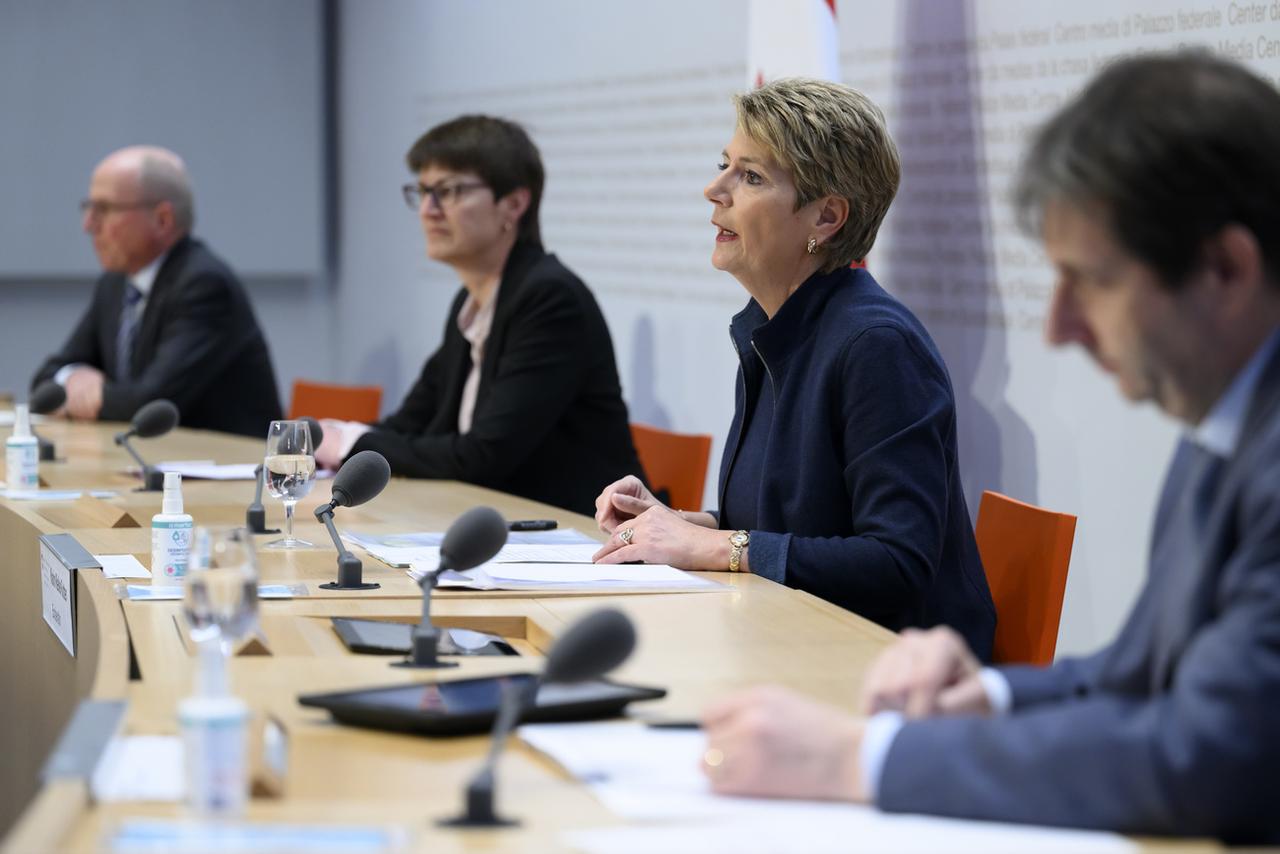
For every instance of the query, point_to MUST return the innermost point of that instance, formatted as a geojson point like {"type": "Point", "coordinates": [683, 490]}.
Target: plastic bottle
{"type": "Point", "coordinates": [22, 453]}
{"type": "Point", "coordinates": [214, 728]}
{"type": "Point", "coordinates": [170, 532]}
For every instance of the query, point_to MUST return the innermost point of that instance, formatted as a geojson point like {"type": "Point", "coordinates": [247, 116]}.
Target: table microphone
{"type": "Point", "coordinates": [255, 515]}
{"type": "Point", "coordinates": [360, 479]}
{"type": "Point", "coordinates": [47, 397]}
{"type": "Point", "coordinates": [473, 538]}
{"type": "Point", "coordinates": [589, 649]}
{"type": "Point", "coordinates": [153, 419]}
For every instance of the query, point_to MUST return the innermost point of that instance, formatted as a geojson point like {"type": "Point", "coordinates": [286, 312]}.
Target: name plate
{"type": "Point", "coordinates": [58, 597]}
{"type": "Point", "coordinates": [60, 556]}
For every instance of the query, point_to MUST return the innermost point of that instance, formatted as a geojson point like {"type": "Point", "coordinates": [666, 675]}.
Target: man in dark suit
{"type": "Point", "coordinates": [168, 318]}
{"type": "Point", "coordinates": [1157, 194]}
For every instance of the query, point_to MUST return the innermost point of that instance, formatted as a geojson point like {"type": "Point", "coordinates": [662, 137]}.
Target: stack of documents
{"type": "Point", "coordinates": [652, 775]}
{"type": "Point", "coordinates": [401, 550]}
{"type": "Point", "coordinates": [556, 567]}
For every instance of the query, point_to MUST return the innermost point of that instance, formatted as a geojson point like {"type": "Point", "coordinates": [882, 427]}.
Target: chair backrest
{"type": "Point", "coordinates": [1025, 550]}
{"type": "Point", "coordinates": [674, 462]}
{"type": "Point", "coordinates": [326, 400]}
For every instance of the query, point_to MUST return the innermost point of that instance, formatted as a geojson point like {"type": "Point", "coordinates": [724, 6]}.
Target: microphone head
{"type": "Point", "coordinates": [317, 432]}
{"type": "Point", "coordinates": [361, 478]}
{"type": "Point", "coordinates": [591, 647]}
{"type": "Point", "coordinates": [47, 397]}
{"type": "Point", "coordinates": [473, 538]}
{"type": "Point", "coordinates": [154, 419]}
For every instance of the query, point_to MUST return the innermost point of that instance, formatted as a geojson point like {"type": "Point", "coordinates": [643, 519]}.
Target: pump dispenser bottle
{"type": "Point", "coordinates": [22, 453]}
{"type": "Point", "coordinates": [170, 532]}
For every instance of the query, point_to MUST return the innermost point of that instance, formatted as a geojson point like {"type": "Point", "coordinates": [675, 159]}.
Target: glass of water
{"type": "Point", "coordinates": [220, 591]}
{"type": "Point", "coordinates": [289, 470]}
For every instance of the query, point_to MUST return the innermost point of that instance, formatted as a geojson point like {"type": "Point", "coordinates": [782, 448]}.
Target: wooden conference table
{"type": "Point", "coordinates": [697, 645]}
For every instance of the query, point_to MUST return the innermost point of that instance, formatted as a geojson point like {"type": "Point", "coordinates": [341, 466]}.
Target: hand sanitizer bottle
{"type": "Point", "coordinates": [170, 532]}
{"type": "Point", "coordinates": [214, 728]}
{"type": "Point", "coordinates": [22, 453]}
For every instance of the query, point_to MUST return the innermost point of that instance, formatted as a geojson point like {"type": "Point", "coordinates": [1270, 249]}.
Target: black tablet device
{"type": "Point", "coordinates": [382, 637]}
{"type": "Point", "coordinates": [468, 705]}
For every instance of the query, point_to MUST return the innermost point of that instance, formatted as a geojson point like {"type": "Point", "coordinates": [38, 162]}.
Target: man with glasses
{"type": "Point", "coordinates": [168, 318]}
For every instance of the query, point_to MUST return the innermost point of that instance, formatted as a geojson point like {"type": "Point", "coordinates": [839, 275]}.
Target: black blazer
{"type": "Point", "coordinates": [549, 421]}
{"type": "Point", "coordinates": [198, 344]}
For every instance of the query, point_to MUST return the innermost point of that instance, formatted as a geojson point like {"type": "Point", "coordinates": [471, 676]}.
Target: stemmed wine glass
{"type": "Point", "coordinates": [289, 471]}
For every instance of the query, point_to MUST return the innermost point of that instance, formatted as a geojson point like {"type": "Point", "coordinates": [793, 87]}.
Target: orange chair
{"type": "Point", "coordinates": [1025, 550]}
{"type": "Point", "coordinates": [325, 400]}
{"type": "Point", "coordinates": [675, 463]}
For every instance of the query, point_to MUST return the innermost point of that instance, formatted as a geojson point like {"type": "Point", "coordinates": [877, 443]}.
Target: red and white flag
{"type": "Point", "coordinates": [792, 38]}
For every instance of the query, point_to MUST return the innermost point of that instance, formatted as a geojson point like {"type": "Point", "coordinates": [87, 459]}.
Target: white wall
{"type": "Point", "coordinates": [630, 106]}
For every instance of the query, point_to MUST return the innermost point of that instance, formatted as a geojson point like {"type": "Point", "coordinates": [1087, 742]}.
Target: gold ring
{"type": "Point", "coordinates": [626, 535]}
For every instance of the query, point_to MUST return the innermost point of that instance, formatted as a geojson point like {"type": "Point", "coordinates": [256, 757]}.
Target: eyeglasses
{"type": "Point", "coordinates": [444, 194]}
{"type": "Point", "coordinates": [97, 208]}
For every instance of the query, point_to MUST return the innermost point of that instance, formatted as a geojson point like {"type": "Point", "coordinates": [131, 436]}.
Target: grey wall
{"type": "Point", "coordinates": [236, 87]}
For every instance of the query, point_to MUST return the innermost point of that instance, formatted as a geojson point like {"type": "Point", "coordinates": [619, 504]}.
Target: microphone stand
{"type": "Point", "coordinates": [152, 478]}
{"type": "Point", "coordinates": [255, 517]}
{"type": "Point", "coordinates": [425, 651]}
{"type": "Point", "coordinates": [350, 570]}
{"type": "Point", "coordinates": [478, 808]}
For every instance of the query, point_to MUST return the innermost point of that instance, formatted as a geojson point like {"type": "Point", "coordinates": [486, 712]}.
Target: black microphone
{"type": "Point", "coordinates": [317, 432]}
{"type": "Point", "coordinates": [473, 538]}
{"type": "Point", "coordinates": [360, 479]}
{"type": "Point", "coordinates": [589, 649]}
{"type": "Point", "coordinates": [47, 397]}
{"type": "Point", "coordinates": [153, 419]}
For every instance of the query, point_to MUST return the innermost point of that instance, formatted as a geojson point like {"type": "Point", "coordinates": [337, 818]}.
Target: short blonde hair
{"type": "Point", "coordinates": [833, 141]}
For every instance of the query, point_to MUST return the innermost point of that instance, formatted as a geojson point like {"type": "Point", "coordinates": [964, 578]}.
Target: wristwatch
{"type": "Point", "coordinates": [738, 541]}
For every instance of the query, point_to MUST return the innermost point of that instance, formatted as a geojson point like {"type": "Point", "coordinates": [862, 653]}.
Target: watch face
{"type": "Point", "coordinates": [739, 538]}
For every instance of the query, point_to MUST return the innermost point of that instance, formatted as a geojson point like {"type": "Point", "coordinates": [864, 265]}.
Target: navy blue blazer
{"type": "Point", "coordinates": [1173, 728]}
{"type": "Point", "coordinates": [859, 500]}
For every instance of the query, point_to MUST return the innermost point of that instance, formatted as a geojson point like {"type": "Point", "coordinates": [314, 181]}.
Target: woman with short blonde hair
{"type": "Point", "coordinates": [840, 475]}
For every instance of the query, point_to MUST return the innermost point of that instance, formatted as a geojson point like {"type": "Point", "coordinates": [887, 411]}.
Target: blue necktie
{"type": "Point", "coordinates": [1180, 549]}
{"type": "Point", "coordinates": [127, 332]}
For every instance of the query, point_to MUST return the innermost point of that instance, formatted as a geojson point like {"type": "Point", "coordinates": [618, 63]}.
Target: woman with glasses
{"type": "Point", "coordinates": [523, 393]}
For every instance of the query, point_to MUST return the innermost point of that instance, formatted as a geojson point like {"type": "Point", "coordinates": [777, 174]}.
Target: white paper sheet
{"type": "Point", "coordinates": [53, 494]}
{"type": "Point", "coordinates": [140, 768]}
{"type": "Point", "coordinates": [8, 417]}
{"type": "Point", "coordinates": [209, 470]}
{"type": "Point", "coordinates": [402, 549]}
{"type": "Point", "coordinates": [549, 576]}
{"type": "Point", "coordinates": [169, 592]}
{"type": "Point", "coordinates": [122, 566]}
{"type": "Point", "coordinates": [643, 774]}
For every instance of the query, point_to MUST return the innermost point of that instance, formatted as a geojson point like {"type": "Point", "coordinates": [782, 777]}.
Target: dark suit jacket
{"type": "Point", "coordinates": [198, 344]}
{"type": "Point", "coordinates": [1175, 727]}
{"type": "Point", "coordinates": [859, 498]}
{"type": "Point", "coordinates": [549, 421]}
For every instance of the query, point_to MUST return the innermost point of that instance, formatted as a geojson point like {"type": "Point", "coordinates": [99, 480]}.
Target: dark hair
{"type": "Point", "coordinates": [497, 150]}
{"type": "Point", "coordinates": [1170, 148]}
